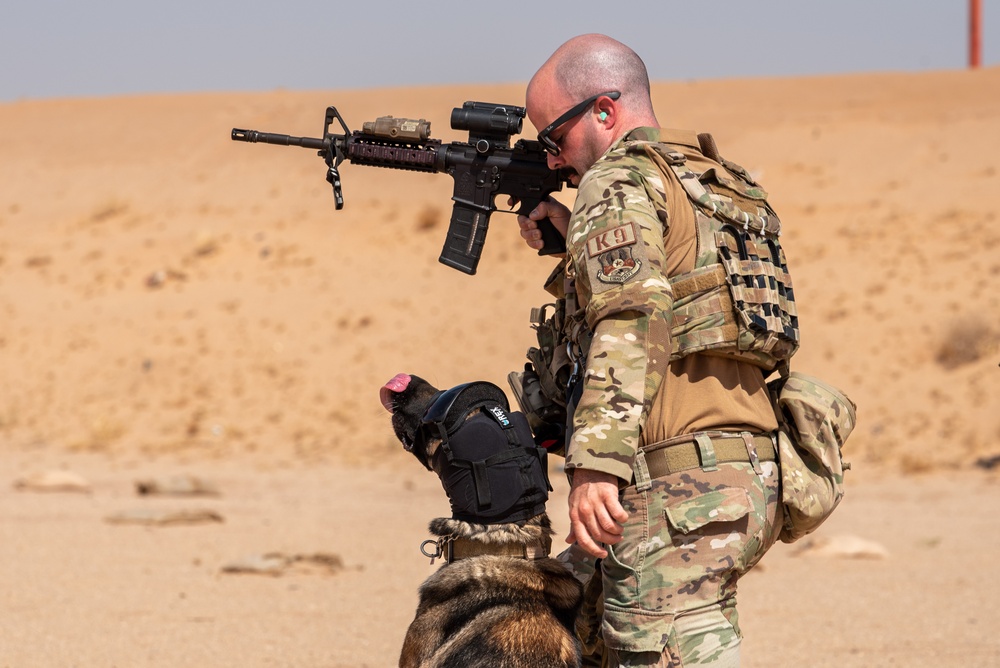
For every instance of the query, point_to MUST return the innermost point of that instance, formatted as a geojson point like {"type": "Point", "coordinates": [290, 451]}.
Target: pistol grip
{"type": "Point", "coordinates": [553, 243]}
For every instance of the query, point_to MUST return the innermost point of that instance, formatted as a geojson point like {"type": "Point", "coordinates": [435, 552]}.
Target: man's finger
{"type": "Point", "coordinates": [587, 527]}
{"type": "Point", "coordinates": [606, 526]}
{"type": "Point", "coordinates": [599, 534]}
{"type": "Point", "coordinates": [616, 513]}
{"type": "Point", "coordinates": [583, 539]}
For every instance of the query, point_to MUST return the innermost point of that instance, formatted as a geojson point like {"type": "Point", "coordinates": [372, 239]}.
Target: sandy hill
{"type": "Point", "coordinates": [164, 289]}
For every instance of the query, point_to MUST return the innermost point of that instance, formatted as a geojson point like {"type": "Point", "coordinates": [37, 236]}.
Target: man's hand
{"type": "Point", "coordinates": [557, 214]}
{"type": "Point", "coordinates": [595, 514]}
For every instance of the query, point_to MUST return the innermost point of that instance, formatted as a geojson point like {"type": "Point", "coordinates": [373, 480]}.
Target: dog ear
{"type": "Point", "coordinates": [451, 407]}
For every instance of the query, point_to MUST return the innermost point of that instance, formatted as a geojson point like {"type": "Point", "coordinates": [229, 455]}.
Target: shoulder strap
{"type": "Point", "coordinates": [676, 162]}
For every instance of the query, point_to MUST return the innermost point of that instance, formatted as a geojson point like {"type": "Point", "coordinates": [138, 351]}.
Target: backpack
{"type": "Point", "coordinates": [814, 421]}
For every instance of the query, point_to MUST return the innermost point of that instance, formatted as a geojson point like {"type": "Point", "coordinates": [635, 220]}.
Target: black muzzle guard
{"type": "Point", "coordinates": [488, 463]}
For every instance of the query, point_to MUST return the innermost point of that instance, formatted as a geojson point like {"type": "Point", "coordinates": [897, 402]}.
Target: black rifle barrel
{"type": "Point", "coordinates": [253, 136]}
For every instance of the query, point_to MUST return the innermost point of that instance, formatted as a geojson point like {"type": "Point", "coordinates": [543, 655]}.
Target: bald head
{"type": "Point", "coordinates": [590, 64]}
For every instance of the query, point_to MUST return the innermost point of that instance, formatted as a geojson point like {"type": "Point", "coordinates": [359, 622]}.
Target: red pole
{"type": "Point", "coordinates": [975, 14]}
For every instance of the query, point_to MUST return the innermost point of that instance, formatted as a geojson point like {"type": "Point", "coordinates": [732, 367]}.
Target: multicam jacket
{"type": "Point", "coordinates": [634, 312]}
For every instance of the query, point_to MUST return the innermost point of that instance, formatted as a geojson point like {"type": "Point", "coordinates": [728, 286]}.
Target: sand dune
{"type": "Point", "coordinates": [164, 288]}
{"type": "Point", "coordinates": [169, 295]}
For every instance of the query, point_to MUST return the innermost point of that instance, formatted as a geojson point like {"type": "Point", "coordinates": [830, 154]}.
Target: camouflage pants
{"type": "Point", "coordinates": [665, 595]}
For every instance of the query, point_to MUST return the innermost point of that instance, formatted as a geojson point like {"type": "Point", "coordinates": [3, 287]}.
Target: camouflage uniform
{"type": "Point", "coordinates": [669, 585]}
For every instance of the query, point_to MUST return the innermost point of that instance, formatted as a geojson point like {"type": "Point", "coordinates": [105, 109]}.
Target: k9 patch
{"type": "Point", "coordinates": [615, 256]}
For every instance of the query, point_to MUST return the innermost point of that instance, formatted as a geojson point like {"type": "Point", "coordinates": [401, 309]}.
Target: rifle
{"type": "Point", "coordinates": [483, 167]}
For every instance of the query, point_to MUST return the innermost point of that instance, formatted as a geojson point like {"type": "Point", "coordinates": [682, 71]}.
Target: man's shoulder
{"type": "Point", "coordinates": [629, 159]}
{"type": "Point", "coordinates": [661, 136]}
{"type": "Point", "coordinates": [622, 164]}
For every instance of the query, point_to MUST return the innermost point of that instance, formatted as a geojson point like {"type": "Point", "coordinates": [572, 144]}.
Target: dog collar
{"type": "Point", "coordinates": [456, 549]}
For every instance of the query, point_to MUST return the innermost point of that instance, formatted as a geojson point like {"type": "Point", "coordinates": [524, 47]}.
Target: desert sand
{"type": "Point", "coordinates": [174, 303]}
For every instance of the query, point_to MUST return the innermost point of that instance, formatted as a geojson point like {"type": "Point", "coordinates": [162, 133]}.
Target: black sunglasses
{"type": "Point", "coordinates": [548, 143]}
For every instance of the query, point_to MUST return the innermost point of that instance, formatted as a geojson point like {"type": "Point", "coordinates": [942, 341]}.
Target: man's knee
{"type": "Point", "coordinates": [708, 636]}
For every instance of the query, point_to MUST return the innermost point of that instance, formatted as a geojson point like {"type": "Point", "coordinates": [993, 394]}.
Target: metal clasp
{"type": "Point", "coordinates": [539, 314]}
{"type": "Point", "coordinates": [443, 547]}
{"type": "Point", "coordinates": [438, 549]}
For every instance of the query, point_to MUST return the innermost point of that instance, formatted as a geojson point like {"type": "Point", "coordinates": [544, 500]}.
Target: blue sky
{"type": "Point", "coordinates": [64, 48]}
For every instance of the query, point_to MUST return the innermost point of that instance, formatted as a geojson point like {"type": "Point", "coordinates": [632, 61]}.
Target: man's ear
{"type": "Point", "coordinates": [606, 112]}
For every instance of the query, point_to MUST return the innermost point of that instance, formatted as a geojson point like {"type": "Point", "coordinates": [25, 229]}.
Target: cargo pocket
{"type": "Point", "coordinates": [690, 538]}
{"type": "Point", "coordinates": [624, 563]}
{"type": "Point", "coordinates": [722, 505]}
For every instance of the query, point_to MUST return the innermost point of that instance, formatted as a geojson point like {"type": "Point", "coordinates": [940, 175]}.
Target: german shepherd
{"type": "Point", "coordinates": [485, 608]}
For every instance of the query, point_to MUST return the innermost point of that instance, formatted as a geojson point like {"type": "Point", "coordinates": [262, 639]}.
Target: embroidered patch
{"type": "Point", "coordinates": [617, 266]}
{"type": "Point", "coordinates": [606, 240]}
{"type": "Point", "coordinates": [613, 256]}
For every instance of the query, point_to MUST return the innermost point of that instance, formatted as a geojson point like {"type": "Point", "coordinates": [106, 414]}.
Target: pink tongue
{"type": "Point", "coordinates": [398, 383]}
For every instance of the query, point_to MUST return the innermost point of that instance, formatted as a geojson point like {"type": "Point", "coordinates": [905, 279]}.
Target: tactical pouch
{"type": "Point", "coordinates": [546, 418]}
{"type": "Point", "coordinates": [761, 289]}
{"type": "Point", "coordinates": [738, 229]}
{"type": "Point", "coordinates": [814, 421]}
{"type": "Point", "coordinates": [550, 360]}
{"type": "Point", "coordinates": [541, 388]}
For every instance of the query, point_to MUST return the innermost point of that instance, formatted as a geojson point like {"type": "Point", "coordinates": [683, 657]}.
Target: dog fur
{"type": "Point", "coordinates": [487, 610]}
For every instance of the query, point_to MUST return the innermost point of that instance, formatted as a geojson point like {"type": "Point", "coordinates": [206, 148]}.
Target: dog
{"type": "Point", "coordinates": [500, 601]}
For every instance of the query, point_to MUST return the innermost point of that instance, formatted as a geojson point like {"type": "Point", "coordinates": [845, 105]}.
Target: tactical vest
{"type": "Point", "coordinates": [737, 302]}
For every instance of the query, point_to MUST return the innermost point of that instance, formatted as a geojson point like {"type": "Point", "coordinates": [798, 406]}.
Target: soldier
{"type": "Point", "coordinates": [670, 430]}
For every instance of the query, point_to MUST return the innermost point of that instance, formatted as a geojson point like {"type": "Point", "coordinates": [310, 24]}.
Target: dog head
{"type": "Point", "coordinates": [484, 455]}
{"type": "Point", "coordinates": [408, 398]}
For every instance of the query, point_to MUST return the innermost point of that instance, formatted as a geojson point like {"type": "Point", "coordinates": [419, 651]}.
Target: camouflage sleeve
{"type": "Point", "coordinates": [616, 247]}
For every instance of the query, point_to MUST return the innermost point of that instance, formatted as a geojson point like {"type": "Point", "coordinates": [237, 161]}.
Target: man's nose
{"type": "Point", "coordinates": [554, 161]}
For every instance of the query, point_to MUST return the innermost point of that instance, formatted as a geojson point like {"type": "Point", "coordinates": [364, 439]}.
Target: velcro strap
{"type": "Point", "coordinates": [673, 458]}
{"type": "Point", "coordinates": [482, 483]}
{"type": "Point", "coordinates": [699, 281]}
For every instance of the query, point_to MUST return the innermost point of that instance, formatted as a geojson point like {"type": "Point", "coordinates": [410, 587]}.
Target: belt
{"type": "Point", "coordinates": [684, 452]}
